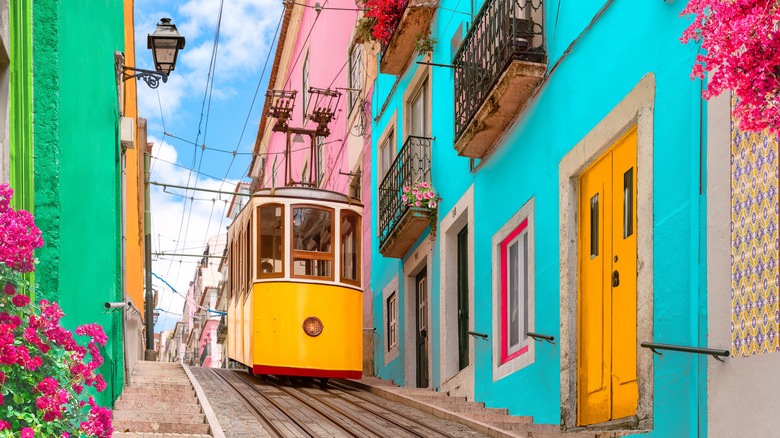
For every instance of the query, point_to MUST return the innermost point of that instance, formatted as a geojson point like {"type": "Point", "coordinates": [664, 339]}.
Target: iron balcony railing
{"type": "Point", "coordinates": [206, 353]}
{"type": "Point", "coordinates": [412, 164]}
{"type": "Point", "coordinates": [503, 31]}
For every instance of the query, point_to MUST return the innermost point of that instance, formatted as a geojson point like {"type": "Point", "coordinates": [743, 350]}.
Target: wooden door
{"type": "Point", "coordinates": [463, 298]}
{"type": "Point", "coordinates": [421, 292]}
{"type": "Point", "coordinates": [606, 348]}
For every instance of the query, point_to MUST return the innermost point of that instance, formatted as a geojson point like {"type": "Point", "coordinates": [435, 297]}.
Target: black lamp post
{"type": "Point", "coordinates": [165, 43]}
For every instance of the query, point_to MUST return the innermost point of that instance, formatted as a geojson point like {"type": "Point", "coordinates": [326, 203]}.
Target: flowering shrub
{"type": "Point", "coordinates": [381, 20]}
{"type": "Point", "coordinates": [43, 369]}
{"type": "Point", "coordinates": [742, 43]}
{"type": "Point", "coordinates": [386, 15]}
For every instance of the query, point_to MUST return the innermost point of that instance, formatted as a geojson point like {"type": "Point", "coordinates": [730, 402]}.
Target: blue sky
{"type": "Point", "coordinates": [178, 109]}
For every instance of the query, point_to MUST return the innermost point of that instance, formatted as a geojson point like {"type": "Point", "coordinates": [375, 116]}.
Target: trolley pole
{"type": "Point", "coordinates": [150, 353]}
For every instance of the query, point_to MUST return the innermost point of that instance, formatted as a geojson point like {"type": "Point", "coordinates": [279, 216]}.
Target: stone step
{"type": "Point", "coordinates": [160, 374]}
{"type": "Point", "coordinates": [162, 386]}
{"type": "Point", "coordinates": [435, 397]}
{"type": "Point", "coordinates": [168, 397]}
{"type": "Point", "coordinates": [160, 416]}
{"type": "Point", "coordinates": [509, 419]}
{"type": "Point", "coordinates": [146, 391]}
{"type": "Point", "coordinates": [148, 426]}
{"type": "Point", "coordinates": [190, 406]}
{"type": "Point", "coordinates": [153, 364]}
{"type": "Point", "coordinates": [472, 409]}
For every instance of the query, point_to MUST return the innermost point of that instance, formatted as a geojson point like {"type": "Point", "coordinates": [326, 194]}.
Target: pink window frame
{"type": "Point", "coordinates": [505, 357]}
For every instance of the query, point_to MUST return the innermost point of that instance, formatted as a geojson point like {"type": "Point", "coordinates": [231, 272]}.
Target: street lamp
{"type": "Point", "coordinates": [165, 43]}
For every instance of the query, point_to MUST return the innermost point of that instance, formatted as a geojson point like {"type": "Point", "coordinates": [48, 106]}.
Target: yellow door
{"type": "Point", "coordinates": [606, 348]}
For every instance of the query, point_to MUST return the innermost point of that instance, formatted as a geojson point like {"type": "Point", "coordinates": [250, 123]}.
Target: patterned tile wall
{"type": "Point", "coordinates": [755, 310]}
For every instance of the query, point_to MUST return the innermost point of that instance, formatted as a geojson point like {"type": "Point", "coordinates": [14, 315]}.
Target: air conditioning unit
{"type": "Point", "coordinates": [127, 132]}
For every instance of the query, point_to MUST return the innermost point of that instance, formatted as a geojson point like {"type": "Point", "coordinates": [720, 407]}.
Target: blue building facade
{"type": "Point", "coordinates": [521, 108]}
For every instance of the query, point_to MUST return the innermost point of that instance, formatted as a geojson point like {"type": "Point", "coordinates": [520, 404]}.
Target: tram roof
{"type": "Point", "coordinates": [307, 193]}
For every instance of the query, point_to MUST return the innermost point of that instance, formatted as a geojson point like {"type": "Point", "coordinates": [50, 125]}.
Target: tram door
{"type": "Point", "coordinates": [421, 292]}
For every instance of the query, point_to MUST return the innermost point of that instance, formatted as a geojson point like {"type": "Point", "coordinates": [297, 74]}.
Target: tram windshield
{"type": "Point", "coordinates": [312, 248]}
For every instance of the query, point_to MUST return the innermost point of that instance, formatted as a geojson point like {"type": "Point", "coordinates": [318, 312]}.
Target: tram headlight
{"type": "Point", "coordinates": [312, 326]}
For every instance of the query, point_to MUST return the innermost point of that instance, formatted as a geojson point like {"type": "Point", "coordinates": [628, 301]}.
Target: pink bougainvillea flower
{"type": "Point", "coordinates": [4, 425]}
{"type": "Point", "coordinates": [740, 41]}
{"type": "Point", "coordinates": [21, 300]}
{"type": "Point", "coordinates": [432, 204]}
{"type": "Point", "coordinates": [28, 433]}
{"type": "Point", "coordinates": [9, 289]}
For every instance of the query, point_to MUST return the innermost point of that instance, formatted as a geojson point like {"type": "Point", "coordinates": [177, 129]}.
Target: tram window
{"type": "Point", "coordinates": [248, 261]}
{"type": "Point", "coordinates": [312, 248]}
{"type": "Point", "coordinates": [350, 247]}
{"type": "Point", "coordinates": [270, 228]}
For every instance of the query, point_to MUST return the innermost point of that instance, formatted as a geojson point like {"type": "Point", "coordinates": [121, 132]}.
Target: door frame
{"type": "Point", "coordinates": [418, 259]}
{"type": "Point", "coordinates": [636, 109]}
{"type": "Point", "coordinates": [454, 381]}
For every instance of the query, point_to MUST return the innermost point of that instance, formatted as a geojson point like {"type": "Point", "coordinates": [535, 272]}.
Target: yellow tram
{"type": "Point", "coordinates": [294, 296]}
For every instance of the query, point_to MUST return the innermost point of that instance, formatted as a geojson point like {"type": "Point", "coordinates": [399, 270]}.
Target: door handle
{"type": "Point", "coordinates": [615, 278]}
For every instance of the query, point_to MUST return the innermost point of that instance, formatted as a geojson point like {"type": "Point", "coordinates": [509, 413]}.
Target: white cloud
{"type": "Point", "coordinates": [180, 227]}
{"type": "Point", "coordinates": [246, 30]}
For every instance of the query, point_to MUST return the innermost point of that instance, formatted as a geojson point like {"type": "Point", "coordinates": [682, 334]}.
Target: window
{"type": "Point", "coordinates": [392, 321]}
{"type": "Point", "coordinates": [387, 154]}
{"type": "Point", "coordinates": [248, 261]}
{"type": "Point", "coordinates": [305, 85]}
{"type": "Point", "coordinates": [350, 248]}
{"type": "Point", "coordinates": [312, 249]}
{"type": "Point", "coordinates": [355, 72]}
{"type": "Point", "coordinates": [418, 112]}
{"type": "Point", "coordinates": [513, 293]}
{"type": "Point", "coordinates": [270, 232]}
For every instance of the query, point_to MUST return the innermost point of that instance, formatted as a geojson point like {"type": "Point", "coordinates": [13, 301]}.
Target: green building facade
{"type": "Point", "coordinates": [77, 176]}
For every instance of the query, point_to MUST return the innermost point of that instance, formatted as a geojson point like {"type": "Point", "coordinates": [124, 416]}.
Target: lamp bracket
{"type": "Point", "coordinates": [151, 77]}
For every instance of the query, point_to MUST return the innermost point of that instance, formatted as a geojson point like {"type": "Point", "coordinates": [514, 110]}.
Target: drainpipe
{"type": "Point", "coordinates": [149, 355]}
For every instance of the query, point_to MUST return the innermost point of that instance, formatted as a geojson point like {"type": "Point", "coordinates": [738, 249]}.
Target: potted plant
{"type": "Point", "coordinates": [423, 196]}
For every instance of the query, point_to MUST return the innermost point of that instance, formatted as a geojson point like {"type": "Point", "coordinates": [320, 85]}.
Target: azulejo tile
{"type": "Point", "coordinates": [755, 316]}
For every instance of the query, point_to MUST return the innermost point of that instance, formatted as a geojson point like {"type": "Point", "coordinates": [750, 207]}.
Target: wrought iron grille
{"type": "Point", "coordinates": [503, 31]}
{"type": "Point", "coordinates": [412, 164]}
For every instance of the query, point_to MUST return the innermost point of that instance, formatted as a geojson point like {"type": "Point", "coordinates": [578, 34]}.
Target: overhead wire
{"type": "Point", "coordinates": [209, 86]}
{"type": "Point", "coordinates": [249, 114]}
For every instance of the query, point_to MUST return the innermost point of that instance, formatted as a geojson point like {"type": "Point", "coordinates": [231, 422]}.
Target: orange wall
{"type": "Point", "coordinates": [134, 244]}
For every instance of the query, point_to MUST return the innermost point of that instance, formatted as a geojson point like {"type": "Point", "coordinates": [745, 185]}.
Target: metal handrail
{"type": "Point", "coordinates": [503, 31]}
{"type": "Point", "coordinates": [412, 164]}
{"type": "Point", "coordinates": [540, 337]}
{"type": "Point", "coordinates": [479, 335]}
{"type": "Point", "coordinates": [654, 347]}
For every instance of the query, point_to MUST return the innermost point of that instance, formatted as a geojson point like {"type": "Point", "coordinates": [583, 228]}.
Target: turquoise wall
{"type": "Point", "coordinates": [77, 167]}
{"type": "Point", "coordinates": [630, 40]}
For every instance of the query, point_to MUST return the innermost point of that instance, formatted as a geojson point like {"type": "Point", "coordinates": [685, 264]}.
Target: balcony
{"type": "Point", "coordinates": [222, 330]}
{"type": "Point", "coordinates": [400, 225]}
{"type": "Point", "coordinates": [417, 17]}
{"type": "Point", "coordinates": [499, 64]}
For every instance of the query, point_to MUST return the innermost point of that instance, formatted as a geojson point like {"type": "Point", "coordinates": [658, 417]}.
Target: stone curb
{"type": "Point", "coordinates": [216, 429]}
{"type": "Point", "coordinates": [436, 411]}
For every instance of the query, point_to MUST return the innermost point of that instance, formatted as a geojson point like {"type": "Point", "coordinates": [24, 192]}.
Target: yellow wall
{"type": "Point", "coordinates": [134, 246]}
